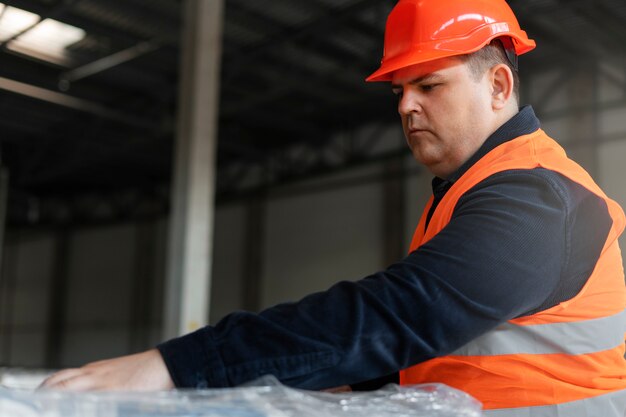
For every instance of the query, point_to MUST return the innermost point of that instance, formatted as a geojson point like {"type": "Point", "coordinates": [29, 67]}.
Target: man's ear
{"type": "Point", "coordinates": [501, 83]}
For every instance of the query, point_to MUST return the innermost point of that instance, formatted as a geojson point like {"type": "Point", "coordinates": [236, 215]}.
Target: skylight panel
{"type": "Point", "coordinates": [14, 21]}
{"type": "Point", "coordinates": [27, 34]}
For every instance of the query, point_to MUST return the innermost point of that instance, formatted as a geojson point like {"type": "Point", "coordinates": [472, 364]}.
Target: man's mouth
{"type": "Point", "coordinates": [413, 131]}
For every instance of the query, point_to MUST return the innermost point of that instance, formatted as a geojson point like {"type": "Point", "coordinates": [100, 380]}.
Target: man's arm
{"type": "Point", "coordinates": [501, 256]}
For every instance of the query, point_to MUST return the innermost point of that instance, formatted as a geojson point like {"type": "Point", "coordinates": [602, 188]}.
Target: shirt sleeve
{"type": "Point", "coordinates": [503, 254]}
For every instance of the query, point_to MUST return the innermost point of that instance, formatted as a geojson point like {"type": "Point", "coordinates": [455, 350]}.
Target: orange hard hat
{"type": "Point", "coordinates": [419, 31]}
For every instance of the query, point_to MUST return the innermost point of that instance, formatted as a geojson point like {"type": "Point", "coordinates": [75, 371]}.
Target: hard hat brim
{"type": "Point", "coordinates": [386, 70]}
{"type": "Point", "coordinates": [449, 48]}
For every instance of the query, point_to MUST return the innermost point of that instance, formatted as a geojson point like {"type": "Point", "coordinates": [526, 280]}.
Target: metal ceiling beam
{"type": "Point", "coordinates": [129, 81]}
{"type": "Point", "coordinates": [71, 102]}
{"type": "Point", "coordinates": [110, 61]}
{"type": "Point", "coordinates": [376, 32]}
{"type": "Point", "coordinates": [318, 86]}
{"type": "Point", "coordinates": [166, 24]}
{"type": "Point", "coordinates": [541, 25]}
{"type": "Point", "coordinates": [559, 83]}
{"type": "Point", "coordinates": [262, 123]}
{"type": "Point", "coordinates": [320, 26]}
{"type": "Point", "coordinates": [610, 27]}
{"type": "Point", "coordinates": [93, 27]}
{"type": "Point", "coordinates": [321, 46]}
{"type": "Point", "coordinates": [600, 107]}
{"type": "Point", "coordinates": [335, 85]}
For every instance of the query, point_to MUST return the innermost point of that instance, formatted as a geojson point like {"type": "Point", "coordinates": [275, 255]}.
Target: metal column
{"type": "Point", "coordinates": [191, 222]}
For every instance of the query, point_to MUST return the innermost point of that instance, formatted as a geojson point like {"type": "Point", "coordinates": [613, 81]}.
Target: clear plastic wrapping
{"type": "Point", "coordinates": [264, 398]}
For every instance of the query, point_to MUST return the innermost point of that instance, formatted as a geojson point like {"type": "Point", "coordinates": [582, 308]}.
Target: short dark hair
{"type": "Point", "coordinates": [492, 54]}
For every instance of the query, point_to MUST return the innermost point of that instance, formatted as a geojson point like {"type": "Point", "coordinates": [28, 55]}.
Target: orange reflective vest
{"type": "Point", "coordinates": [567, 360]}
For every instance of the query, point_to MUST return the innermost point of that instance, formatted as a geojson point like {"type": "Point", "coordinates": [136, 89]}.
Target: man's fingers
{"type": "Point", "coordinates": [59, 376]}
{"type": "Point", "coordinates": [81, 382]}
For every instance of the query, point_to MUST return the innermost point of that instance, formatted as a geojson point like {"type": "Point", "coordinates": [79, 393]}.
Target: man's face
{"type": "Point", "coordinates": [446, 113]}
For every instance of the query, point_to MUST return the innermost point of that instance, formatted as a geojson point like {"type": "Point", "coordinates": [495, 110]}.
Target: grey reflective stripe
{"type": "Point", "coordinates": [607, 405]}
{"type": "Point", "coordinates": [575, 338]}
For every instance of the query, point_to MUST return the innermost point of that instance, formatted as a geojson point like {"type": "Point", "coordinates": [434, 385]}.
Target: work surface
{"type": "Point", "coordinates": [264, 398]}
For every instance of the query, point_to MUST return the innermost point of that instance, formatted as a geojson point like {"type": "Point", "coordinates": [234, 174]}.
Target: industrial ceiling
{"type": "Point", "coordinates": [88, 135]}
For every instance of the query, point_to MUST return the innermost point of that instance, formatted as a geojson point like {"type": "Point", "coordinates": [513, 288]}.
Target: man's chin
{"type": "Point", "coordinates": [433, 165]}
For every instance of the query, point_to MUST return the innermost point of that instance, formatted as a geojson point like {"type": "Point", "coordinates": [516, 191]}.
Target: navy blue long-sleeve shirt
{"type": "Point", "coordinates": [518, 242]}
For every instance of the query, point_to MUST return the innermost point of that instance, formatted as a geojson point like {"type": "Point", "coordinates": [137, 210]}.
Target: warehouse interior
{"type": "Point", "coordinates": [311, 181]}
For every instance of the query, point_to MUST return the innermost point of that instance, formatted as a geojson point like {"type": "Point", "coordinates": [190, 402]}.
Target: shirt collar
{"type": "Point", "coordinates": [523, 123]}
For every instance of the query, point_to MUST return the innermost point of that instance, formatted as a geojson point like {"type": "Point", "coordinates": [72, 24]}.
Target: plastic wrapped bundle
{"type": "Point", "coordinates": [264, 398]}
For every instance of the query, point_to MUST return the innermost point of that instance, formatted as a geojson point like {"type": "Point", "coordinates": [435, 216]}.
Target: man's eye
{"type": "Point", "coordinates": [397, 93]}
{"type": "Point", "coordinates": [428, 87]}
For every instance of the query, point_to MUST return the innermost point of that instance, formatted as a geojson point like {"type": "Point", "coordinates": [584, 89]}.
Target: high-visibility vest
{"type": "Point", "coordinates": [567, 360]}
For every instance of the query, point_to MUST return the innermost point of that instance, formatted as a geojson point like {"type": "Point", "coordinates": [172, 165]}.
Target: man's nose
{"type": "Point", "coordinates": [409, 103]}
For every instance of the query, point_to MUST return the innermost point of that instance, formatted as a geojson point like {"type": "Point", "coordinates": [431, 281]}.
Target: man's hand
{"type": "Point", "coordinates": [144, 371]}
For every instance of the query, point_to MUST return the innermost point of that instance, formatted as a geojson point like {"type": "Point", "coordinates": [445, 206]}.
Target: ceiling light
{"type": "Point", "coordinates": [45, 39]}
{"type": "Point", "coordinates": [14, 21]}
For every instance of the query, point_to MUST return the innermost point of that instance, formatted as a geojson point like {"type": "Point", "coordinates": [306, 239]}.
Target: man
{"type": "Point", "coordinates": [513, 289]}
